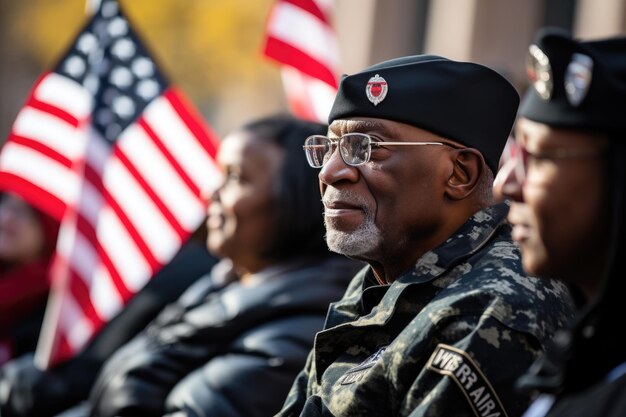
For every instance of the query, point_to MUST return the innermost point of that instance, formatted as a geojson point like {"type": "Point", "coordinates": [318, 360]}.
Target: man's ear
{"type": "Point", "coordinates": [467, 167]}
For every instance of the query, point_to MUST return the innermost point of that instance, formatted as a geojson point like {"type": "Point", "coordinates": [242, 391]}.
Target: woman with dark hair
{"type": "Point", "coordinates": [233, 343]}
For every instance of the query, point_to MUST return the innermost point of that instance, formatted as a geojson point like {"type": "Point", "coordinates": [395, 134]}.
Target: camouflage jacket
{"type": "Point", "coordinates": [447, 338]}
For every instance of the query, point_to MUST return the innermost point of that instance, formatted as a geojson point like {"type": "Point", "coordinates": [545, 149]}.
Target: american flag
{"type": "Point", "coordinates": [108, 147]}
{"type": "Point", "coordinates": [301, 38]}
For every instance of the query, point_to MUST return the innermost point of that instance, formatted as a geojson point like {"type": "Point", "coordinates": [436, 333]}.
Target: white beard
{"type": "Point", "coordinates": [362, 241]}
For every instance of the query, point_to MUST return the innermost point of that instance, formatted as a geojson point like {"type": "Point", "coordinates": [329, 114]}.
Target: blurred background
{"type": "Point", "coordinates": [212, 49]}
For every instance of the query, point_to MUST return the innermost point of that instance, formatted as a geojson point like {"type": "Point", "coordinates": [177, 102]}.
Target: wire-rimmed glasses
{"type": "Point", "coordinates": [355, 148]}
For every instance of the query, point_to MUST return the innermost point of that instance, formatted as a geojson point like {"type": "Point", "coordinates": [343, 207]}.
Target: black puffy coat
{"type": "Point", "coordinates": [224, 349]}
{"type": "Point", "coordinates": [25, 391]}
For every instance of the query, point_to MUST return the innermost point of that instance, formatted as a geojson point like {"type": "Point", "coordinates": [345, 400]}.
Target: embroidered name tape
{"type": "Point", "coordinates": [458, 365]}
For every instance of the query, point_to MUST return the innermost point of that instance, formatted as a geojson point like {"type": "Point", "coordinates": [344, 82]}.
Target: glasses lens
{"type": "Point", "coordinates": [317, 150]}
{"type": "Point", "coordinates": [355, 148]}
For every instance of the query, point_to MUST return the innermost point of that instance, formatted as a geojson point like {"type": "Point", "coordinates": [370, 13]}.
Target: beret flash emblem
{"type": "Point", "coordinates": [578, 78]}
{"type": "Point", "coordinates": [539, 72]}
{"type": "Point", "coordinates": [376, 89]}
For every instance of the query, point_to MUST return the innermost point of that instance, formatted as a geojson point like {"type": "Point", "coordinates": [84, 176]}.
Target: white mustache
{"type": "Point", "coordinates": [332, 194]}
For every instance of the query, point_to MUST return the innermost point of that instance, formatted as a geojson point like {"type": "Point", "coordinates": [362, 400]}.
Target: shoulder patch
{"type": "Point", "coordinates": [458, 365]}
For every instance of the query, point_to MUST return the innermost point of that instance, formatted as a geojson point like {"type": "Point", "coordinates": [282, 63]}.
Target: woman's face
{"type": "Point", "coordinates": [241, 213]}
{"type": "Point", "coordinates": [21, 235]}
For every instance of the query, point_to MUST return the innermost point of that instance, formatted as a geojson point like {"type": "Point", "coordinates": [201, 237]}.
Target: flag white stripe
{"type": "Point", "coordinates": [162, 178]}
{"type": "Point", "coordinates": [154, 228]}
{"type": "Point", "coordinates": [121, 249]}
{"type": "Point", "coordinates": [79, 252]}
{"type": "Point", "coordinates": [177, 138]}
{"type": "Point", "coordinates": [304, 31]}
{"type": "Point", "coordinates": [104, 296]}
{"type": "Point", "coordinates": [78, 328]}
{"type": "Point", "coordinates": [44, 172]}
{"type": "Point", "coordinates": [316, 93]}
{"type": "Point", "coordinates": [51, 131]}
{"type": "Point", "coordinates": [322, 96]}
{"type": "Point", "coordinates": [97, 152]}
{"type": "Point", "coordinates": [65, 94]}
{"type": "Point", "coordinates": [90, 203]}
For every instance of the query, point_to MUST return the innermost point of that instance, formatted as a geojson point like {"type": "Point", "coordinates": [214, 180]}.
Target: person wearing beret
{"type": "Point", "coordinates": [443, 320]}
{"type": "Point", "coordinates": [567, 185]}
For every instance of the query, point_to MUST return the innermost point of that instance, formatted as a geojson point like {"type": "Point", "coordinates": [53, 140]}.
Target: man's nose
{"type": "Point", "coordinates": [335, 169]}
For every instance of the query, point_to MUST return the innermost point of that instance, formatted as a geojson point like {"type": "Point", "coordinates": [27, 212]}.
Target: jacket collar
{"type": "Point", "coordinates": [467, 240]}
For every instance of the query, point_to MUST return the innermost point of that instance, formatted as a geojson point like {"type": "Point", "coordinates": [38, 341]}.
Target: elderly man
{"type": "Point", "coordinates": [567, 185]}
{"type": "Point", "coordinates": [443, 321]}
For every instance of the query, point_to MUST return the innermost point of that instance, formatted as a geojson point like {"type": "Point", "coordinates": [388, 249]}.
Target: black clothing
{"type": "Point", "coordinates": [27, 391]}
{"type": "Point", "coordinates": [225, 348]}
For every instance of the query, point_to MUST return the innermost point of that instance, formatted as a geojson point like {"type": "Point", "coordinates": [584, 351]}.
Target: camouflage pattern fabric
{"type": "Point", "coordinates": [447, 338]}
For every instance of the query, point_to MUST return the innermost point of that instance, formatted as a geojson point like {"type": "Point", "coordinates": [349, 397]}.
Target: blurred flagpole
{"type": "Point", "coordinates": [91, 6]}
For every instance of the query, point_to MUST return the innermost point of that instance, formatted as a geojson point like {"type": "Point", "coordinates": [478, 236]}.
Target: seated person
{"type": "Point", "coordinates": [443, 320]}
{"type": "Point", "coordinates": [27, 391]}
{"type": "Point", "coordinates": [566, 185]}
{"type": "Point", "coordinates": [27, 241]}
{"type": "Point", "coordinates": [233, 343]}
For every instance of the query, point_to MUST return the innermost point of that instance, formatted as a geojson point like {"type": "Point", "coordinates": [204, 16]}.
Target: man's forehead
{"type": "Point", "coordinates": [356, 125]}
{"type": "Point", "coordinates": [382, 127]}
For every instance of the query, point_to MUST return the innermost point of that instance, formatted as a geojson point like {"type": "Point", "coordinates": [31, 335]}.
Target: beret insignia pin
{"type": "Point", "coordinates": [376, 89]}
{"type": "Point", "coordinates": [539, 72]}
{"type": "Point", "coordinates": [578, 78]}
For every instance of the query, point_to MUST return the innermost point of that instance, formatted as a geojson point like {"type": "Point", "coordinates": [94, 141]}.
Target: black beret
{"type": "Point", "coordinates": [574, 84]}
{"type": "Point", "coordinates": [462, 101]}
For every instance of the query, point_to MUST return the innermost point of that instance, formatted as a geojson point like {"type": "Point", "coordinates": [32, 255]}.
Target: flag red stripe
{"type": "Point", "coordinates": [80, 293]}
{"type": "Point", "coordinates": [96, 181]}
{"type": "Point", "coordinates": [31, 94]}
{"type": "Point", "coordinates": [43, 149]}
{"type": "Point", "coordinates": [172, 220]}
{"type": "Point", "coordinates": [63, 350]}
{"type": "Point", "coordinates": [170, 158]}
{"type": "Point", "coordinates": [85, 228]}
{"type": "Point", "coordinates": [292, 56]}
{"type": "Point", "coordinates": [132, 230]}
{"type": "Point", "coordinates": [310, 6]}
{"type": "Point", "coordinates": [42, 199]}
{"type": "Point", "coordinates": [191, 118]}
{"type": "Point", "coordinates": [54, 111]}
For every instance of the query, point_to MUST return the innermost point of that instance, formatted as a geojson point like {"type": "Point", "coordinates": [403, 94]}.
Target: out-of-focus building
{"type": "Point", "coordinates": [212, 48]}
{"type": "Point", "coordinates": [492, 32]}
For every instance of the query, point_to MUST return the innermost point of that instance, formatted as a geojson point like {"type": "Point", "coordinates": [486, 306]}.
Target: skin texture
{"type": "Point", "coordinates": [559, 208]}
{"type": "Point", "coordinates": [21, 235]}
{"type": "Point", "coordinates": [403, 202]}
{"type": "Point", "coordinates": [241, 213]}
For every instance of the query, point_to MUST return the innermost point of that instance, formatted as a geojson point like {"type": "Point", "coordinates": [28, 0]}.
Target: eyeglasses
{"type": "Point", "coordinates": [355, 148]}
{"type": "Point", "coordinates": [519, 158]}
{"type": "Point", "coordinates": [526, 155]}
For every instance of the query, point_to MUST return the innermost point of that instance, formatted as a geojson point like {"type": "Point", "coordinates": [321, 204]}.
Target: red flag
{"type": "Point", "coordinates": [108, 147]}
{"type": "Point", "coordinates": [301, 38]}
